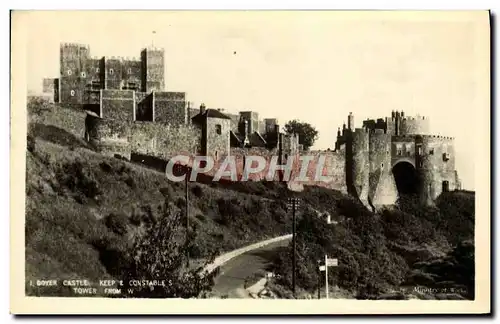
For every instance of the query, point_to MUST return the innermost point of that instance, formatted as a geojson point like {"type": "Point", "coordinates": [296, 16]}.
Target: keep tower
{"type": "Point", "coordinates": [73, 67]}
{"type": "Point", "coordinates": [153, 69]}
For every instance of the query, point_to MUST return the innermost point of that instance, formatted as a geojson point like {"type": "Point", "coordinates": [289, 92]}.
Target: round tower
{"type": "Point", "coordinates": [414, 126]}
{"type": "Point", "coordinates": [359, 164]}
{"type": "Point", "coordinates": [435, 158]}
{"type": "Point", "coordinates": [425, 168]}
{"type": "Point", "coordinates": [382, 186]}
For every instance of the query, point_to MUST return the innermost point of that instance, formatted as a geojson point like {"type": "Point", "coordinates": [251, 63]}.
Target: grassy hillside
{"type": "Point", "coordinates": [83, 209]}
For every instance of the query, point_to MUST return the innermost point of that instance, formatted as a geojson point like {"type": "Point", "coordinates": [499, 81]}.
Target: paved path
{"type": "Point", "coordinates": [232, 275]}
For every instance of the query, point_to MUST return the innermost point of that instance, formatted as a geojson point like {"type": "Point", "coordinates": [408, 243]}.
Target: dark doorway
{"type": "Point", "coordinates": [406, 178]}
{"type": "Point", "coordinates": [446, 186]}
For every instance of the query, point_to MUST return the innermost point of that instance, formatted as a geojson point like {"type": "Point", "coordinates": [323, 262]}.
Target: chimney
{"type": "Point", "coordinates": [202, 108]}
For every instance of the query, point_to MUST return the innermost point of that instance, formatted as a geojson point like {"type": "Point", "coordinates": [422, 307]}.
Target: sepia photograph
{"type": "Point", "coordinates": [215, 159]}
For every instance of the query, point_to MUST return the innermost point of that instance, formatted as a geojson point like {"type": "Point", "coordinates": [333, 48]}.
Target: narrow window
{"type": "Point", "coordinates": [97, 70]}
{"type": "Point", "coordinates": [431, 152]}
{"type": "Point", "coordinates": [129, 71]}
{"type": "Point", "coordinates": [216, 155]}
{"type": "Point", "coordinates": [420, 150]}
{"type": "Point", "coordinates": [218, 129]}
{"type": "Point", "coordinates": [446, 156]}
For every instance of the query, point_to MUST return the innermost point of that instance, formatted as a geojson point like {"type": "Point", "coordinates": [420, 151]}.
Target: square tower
{"type": "Point", "coordinates": [113, 73]}
{"type": "Point", "coordinates": [252, 119]}
{"type": "Point", "coordinates": [153, 69]}
{"type": "Point", "coordinates": [73, 65]}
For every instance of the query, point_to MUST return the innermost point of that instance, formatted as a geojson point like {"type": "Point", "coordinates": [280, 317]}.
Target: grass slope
{"type": "Point", "coordinates": [83, 209]}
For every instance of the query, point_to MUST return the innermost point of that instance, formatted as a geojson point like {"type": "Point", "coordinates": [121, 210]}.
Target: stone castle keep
{"type": "Point", "coordinates": [130, 114]}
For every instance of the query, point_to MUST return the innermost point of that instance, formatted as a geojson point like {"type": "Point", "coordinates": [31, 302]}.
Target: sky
{"type": "Point", "coordinates": [312, 66]}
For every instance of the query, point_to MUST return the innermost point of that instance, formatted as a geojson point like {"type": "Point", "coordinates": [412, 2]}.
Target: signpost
{"type": "Point", "coordinates": [329, 262]}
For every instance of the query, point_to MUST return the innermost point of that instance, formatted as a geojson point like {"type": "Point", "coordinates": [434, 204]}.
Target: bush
{"type": "Point", "coordinates": [167, 235]}
{"type": "Point", "coordinates": [118, 223]}
{"type": "Point", "coordinates": [31, 143]}
{"type": "Point", "coordinates": [78, 178]}
{"type": "Point", "coordinates": [38, 106]}
{"type": "Point", "coordinates": [197, 191]}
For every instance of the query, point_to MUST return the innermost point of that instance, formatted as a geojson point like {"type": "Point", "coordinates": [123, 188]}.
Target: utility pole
{"type": "Point", "coordinates": [319, 279]}
{"type": "Point", "coordinates": [326, 276]}
{"type": "Point", "coordinates": [187, 215]}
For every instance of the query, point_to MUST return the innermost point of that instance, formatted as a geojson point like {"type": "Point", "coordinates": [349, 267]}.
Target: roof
{"type": "Point", "coordinates": [210, 113]}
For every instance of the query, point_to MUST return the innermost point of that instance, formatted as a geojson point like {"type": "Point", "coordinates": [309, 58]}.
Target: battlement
{"type": "Point", "coordinates": [75, 45]}
{"type": "Point", "coordinates": [410, 136]}
{"type": "Point", "coordinates": [437, 136]}
{"type": "Point", "coordinates": [415, 118]}
{"type": "Point", "coordinates": [360, 130]}
{"type": "Point", "coordinates": [153, 48]}
{"type": "Point", "coordinates": [113, 58]}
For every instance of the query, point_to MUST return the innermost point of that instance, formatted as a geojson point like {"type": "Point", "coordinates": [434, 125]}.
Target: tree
{"type": "Point", "coordinates": [307, 133]}
{"type": "Point", "coordinates": [160, 254]}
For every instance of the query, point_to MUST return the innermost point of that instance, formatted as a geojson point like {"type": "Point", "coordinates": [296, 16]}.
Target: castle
{"type": "Point", "coordinates": [130, 114]}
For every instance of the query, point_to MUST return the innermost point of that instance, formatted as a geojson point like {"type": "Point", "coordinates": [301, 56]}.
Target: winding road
{"type": "Point", "coordinates": [231, 280]}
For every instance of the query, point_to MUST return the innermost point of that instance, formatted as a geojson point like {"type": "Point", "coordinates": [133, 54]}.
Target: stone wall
{"type": "Point", "coordinates": [110, 137]}
{"type": "Point", "coordinates": [118, 104]}
{"type": "Point", "coordinates": [170, 107]}
{"type": "Point", "coordinates": [164, 140]}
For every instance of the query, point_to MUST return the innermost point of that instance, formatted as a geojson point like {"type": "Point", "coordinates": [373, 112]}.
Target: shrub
{"type": "Point", "coordinates": [38, 106]}
{"type": "Point", "coordinates": [31, 143]}
{"type": "Point", "coordinates": [166, 236]}
{"type": "Point", "coordinates": [130, 182]}
{"type": "Point", "coordinates": [117, 223]}
{"type": "Point", "coordinates": [197, 191]}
